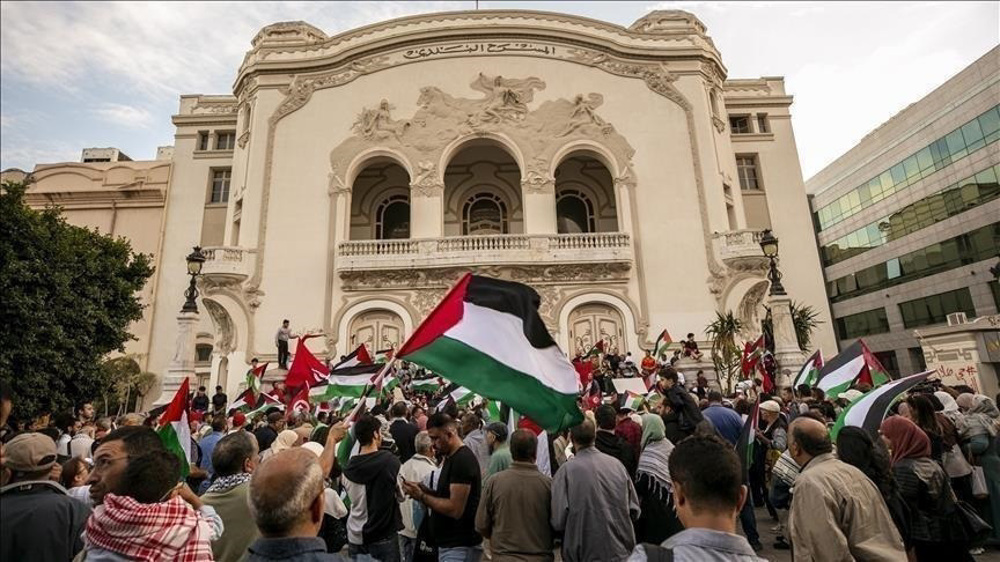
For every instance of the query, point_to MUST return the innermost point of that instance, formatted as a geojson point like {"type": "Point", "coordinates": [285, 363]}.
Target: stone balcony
{"type": "Point", "coordinates": [500, 249]}
{"type": "Point", "coordinates": [227, 263]}
{"type": "Point", "coordinates": [739, 249]}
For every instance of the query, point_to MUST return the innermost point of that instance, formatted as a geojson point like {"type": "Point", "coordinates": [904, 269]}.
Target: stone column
{"type": "Point", "coordinates": [786, 346]}
{"type": "Point", "coordinates": [538, 196]}
{"type": "Point", "coordinates": [182, 364]}
{"type": "Point", "coordinates": [426, 209]}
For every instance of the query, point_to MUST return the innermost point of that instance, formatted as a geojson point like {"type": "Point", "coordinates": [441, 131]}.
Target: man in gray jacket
{"type": "Point", "coordinates": [593, 502]}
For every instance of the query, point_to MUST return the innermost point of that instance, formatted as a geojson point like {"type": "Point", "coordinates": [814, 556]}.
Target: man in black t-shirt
{"type": "Point", "coordinates": [455, 499]}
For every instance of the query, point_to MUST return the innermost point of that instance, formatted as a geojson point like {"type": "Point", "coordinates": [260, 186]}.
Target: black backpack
{"type": "Point", "coordinates": [657, 553]}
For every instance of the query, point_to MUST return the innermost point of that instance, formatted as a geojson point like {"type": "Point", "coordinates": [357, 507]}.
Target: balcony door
{"type": "Point", "coordinates": [595, 322]}
{"type": "Point", "coordinates": [377, 329]}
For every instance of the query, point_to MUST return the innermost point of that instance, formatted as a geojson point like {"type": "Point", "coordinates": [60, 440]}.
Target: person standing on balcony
{"type": "Point", "coordinates": [281, 340]}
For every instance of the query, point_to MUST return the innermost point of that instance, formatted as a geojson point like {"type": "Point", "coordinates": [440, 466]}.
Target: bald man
{"type": "Point", "coordinates": [286, 502]}
{"type": "Point", "coordinates": [836, 509]}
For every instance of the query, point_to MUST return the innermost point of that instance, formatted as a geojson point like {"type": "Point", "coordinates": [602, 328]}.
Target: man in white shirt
{"type": "Point", "coordinates": [418, 467]}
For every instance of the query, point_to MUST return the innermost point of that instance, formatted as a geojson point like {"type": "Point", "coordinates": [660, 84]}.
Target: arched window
{"type": "Point", "coordinates": [574, 212]}
{"type": "Point", "coordinates": [484, 213]}
{"type": "Point", "coordinates": [392, 218]}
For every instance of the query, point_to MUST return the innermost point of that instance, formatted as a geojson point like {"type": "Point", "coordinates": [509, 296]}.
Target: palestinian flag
{"type": "Point", "coordinates": [357, 357]}
{"type": "Point", "coordinates": [873, 373]}
{"type": "Point", "coordinates": [462, 396]}
{"type": "Point", "coordinates": [245, 402]}
{"type": "Point", "coordinates": [493, 410]}
{"type": "Point", "coordinates": [868, 411]}
{"type": "Point", "coordinates": [254, 376]}
{"type": "Point", "coordinates": [426, 385]}
{"type": "Point", "coordinates": [173, 428]}
{"type": "Point", "coordinates": [747, 441]}
{"type": "Point", "coordinates": [306, 370]}
{"type": "Point", "coordinates": [809, 371]}
{"type": "Point", "coordinates": [384, 355]}
{"type": "Point", "coordinates": [598, 348]}
{"type": "Point", "coordinates": [301, 402]}
{"type": "Point", "coordinates": [662, 342]}
{"type": "Point", "coordinates": [632, 400]}
{"type": "Point", "coordinates": [346, 381]}
{"type": "Point", "coordinates": [264, 403]}
{"type": "Point", "coordinates": [839, 374]}
{"type": "Point", "coordinates": [487, 336]}
{"type": "Point", "coordinates": [751, 356]}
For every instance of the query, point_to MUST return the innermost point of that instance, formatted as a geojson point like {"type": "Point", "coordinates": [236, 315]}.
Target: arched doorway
{"type": "Point", "coordinates": [585, 196]}
{"type": "Point", "coordinates": [380, 202]}
{"type": "Point", "coordinates": [377, 329]}
{"type": "Point", "coordinates": [482, 191]}
{"type": "Point", "coordinates": [593, 322]}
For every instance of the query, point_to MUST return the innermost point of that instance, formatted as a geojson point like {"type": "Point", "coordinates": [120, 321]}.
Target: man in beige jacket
{"type": "Point", "coordinates": [837, 512]}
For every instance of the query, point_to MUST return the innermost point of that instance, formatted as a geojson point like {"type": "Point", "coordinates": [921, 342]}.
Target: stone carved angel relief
{"type": "Point", "coordinates": [506, 98]}
{"type": "Point", "coordinates": [378, 123]}
{"type": "Point", "coordinates": [585, 113]}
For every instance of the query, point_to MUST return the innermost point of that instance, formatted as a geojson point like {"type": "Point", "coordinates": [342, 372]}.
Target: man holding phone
{"type": "Point", "coordinates": [455, 499]}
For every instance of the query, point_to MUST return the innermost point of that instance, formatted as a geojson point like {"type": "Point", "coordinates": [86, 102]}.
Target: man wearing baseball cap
{"type": "Point", "coordinates": [40, 521]}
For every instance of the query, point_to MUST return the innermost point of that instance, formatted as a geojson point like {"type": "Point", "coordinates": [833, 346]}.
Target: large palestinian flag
{"type": "Point", "coordinates": [839, 374]}
{"type": "Point", "coordinates": [173, 428]}
{"type": "Point", "coordinates": [868, 411]}
{"type": "Point", "coordinates": [347, 381]}
{"type": "Point", "coordinates": [810, 370]}
{"type": "Point", "coordinates": [487, 336]}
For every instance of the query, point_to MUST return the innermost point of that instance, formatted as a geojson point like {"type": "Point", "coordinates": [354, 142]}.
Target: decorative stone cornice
{"type": "Point", "coordinates": [442, 278]}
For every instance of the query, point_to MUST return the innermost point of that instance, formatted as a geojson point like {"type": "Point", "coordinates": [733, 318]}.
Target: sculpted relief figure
{"type": "Point", "coordinates": [585, 113]}
{"type": "Point", "coordinates": [506, 98]}
{"type": "Point", "coordinates": [378, 123]}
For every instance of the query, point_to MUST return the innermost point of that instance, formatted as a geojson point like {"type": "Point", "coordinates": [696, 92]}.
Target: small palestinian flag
{"type": "Point", "coordinates": [868, 411]}
{"type": "Point", "coordinates": [493, 410]}
{"type": "Point", "coordinates": [357, 357]}
{"type": "Point", "coordinates": [840, 373]}
{"type": "Point", "coordinates": [597, 350]}
{"type": "Point", "coordinates": [633, 401]}
{"type": "Point", "coordinates": [306, 370]}
{"type": "Point", "coordinates": [487, 336]}
{"type": "Point", "coordinates": [747, 441]}
{"type": "Point", "coordinates": [173, 428]}
{"type": "Point", "coordinates": [264, 403]}
{"type": "Point", "coordinates": [384, 355]}
{"type": "Point", "coordinates": [662, 342]}
{"type": "Point", "coordinates": [254, 376]}
{"type": "Point", "coordinates": [810, 370]}
{"type": "Point", "coordinates": [462, 396]}
{"type": "Point", "coordinates": [873, 374]}
{"type": "Point", "coordinates": [345, 381]}
{"type": "Point", "coordinates": [426, 385]}
{"type": "Point", "coordinates": [245, 402]}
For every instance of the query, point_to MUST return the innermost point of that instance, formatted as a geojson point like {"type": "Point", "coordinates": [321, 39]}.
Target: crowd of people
{"type": "Point", "coordinates": [429, 480]}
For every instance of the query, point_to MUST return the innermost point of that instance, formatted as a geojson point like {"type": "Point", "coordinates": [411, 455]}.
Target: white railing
{"type": "Point", "coordinates": [494, 248]}
{"type": "Point", "coordinates": [229, 261]}
{"type": "Point", "coordinates": [738, 244]}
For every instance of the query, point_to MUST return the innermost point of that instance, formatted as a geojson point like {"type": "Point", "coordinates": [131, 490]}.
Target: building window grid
{"type": "Point", "coordinates": [866, 323]}
{"type": "Point", "coordinates": [970, 137]}
{"type": "Point", "coordinates": [740, 124]}
{"type": "Point", "coordinates": [220, 185]}
{"type": "Point", "coordinates": [747, 168]}
{"type": "Point", "coordinates": [203, 137]}
{"type": "Point", "coordinates": [762, 124]}
{"type": "Point", "coordinates": [390, 222]}
{"type": "Point", "coordinates": [965, 249]}
{"type": "Point", "coordinates": [225, 141]}
{"type": "Point", "coordinates": [952, 200]}
{"type": "Point", "coordinates": [935, 309]}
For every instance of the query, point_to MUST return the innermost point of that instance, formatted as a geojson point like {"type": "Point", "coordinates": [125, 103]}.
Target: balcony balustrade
{"type": "Point", "coordinates": [739, 248]}
{"type": "Point", "coordinates": [227, 262]}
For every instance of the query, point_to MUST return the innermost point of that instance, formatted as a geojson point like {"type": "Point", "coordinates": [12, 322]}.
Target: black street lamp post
{"type": "Point", "coordinates": [769, 244]}
{"type": "Point", "coordinates": [194, 262]}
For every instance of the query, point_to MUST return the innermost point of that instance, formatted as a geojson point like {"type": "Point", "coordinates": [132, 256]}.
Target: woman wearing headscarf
{"type": "Point", "coordinates": [935, 531]}
{"type": "Point", "coordinates": [979, 436]}
{"type": "Point", "coordinates": [657, 521]}
{"type": "Point", "coordinates": [856, 447]}
{"type": "Point", "coordinates": [955, 463]}
{"type": "Point", "coordinates": [285, 440]}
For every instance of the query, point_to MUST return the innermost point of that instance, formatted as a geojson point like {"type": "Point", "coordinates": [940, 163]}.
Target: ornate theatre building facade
{"type": "Point", "coordinates": [348, 181]}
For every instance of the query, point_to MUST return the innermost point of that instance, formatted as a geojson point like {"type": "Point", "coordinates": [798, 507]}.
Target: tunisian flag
{"type": "Point", "coordinates": [306, 370]}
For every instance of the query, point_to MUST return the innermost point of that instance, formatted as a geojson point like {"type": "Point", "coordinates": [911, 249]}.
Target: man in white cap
{"type": "Point", "coordinates": [771, 436]}
{"type": "Point", "coordinates": [40, 521]}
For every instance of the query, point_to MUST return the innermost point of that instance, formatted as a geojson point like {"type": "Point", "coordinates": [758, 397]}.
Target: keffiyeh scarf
{"type": "Point", "coordinates": [653, 467]}
{"type": "Point", "coordinates": [169, 530]}
{"type": "Point", "coordinates": [226, 483]}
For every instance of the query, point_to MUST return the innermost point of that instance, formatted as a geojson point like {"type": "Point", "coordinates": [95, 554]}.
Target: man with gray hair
{"type": "Point", "coordinates": [234, 458]}
{"type": "Point", "coordinates": [415, 469]}
{"type": "Point", "coordinates": [286, 502]}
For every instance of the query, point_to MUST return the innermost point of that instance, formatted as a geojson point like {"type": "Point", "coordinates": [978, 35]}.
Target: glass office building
{"type": "Point", "coordinates": [908, 221]}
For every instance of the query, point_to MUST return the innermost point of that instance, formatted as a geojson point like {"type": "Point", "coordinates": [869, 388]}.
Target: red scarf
{"type": "Point", "coordinates": [908, 440]}
{"type": "Point", "coordinates": [170, 530]}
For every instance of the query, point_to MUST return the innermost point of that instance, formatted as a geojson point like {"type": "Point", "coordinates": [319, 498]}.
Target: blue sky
{"type": "Point", "coordinates": [74, 75]}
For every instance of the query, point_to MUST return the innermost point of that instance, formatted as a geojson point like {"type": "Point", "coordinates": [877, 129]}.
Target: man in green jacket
{"type": "Point", "coordinates": [234, 459]}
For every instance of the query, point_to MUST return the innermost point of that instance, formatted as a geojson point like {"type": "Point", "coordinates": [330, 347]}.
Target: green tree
{"type": "Point", "coordinates": [805, 319]}
{"type": "Point", "coordinates": [69, 296]}
{"type": "Point", "coordinates": [128, 384]}
{"type": "Point", "coordinates": [726, 353]}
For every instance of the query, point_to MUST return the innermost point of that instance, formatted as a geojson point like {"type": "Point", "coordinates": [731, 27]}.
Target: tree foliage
{"type": "Point", "coordinates": [726, 352]}
{"type": "Point", "coordinates": [128, 383]}
{"type": "Point", "coordinates": [805, 319]}
{"type": "Point", "coordinates": [69, 296]}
